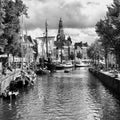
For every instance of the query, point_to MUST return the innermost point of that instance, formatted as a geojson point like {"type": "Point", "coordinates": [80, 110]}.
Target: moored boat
{"type": "Point", "coordinates": [10, 95]}
{"type": "Point", "coordinates": [66, 71]}
{"type": "Point", "coordinates": [68, 65]}
{"type": "Point", "coordinates": [59, 66]}
{"type": "Point", "coordinates": [81, 65]}
{"type": "Point", "coordinates": [41, 71]}
{"type": "Point", "coordinates": [23, 80]}
{"type": "Point", "coordinates": [11, 92]}
{"type": "Point", "coordinates": [51, 67]}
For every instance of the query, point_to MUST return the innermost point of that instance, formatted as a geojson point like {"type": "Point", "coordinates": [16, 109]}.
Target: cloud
{"type": "Point", "coordinates": [75, 13]}
{"type": "Point", "coordinates": [86, 35]}
{"type": "Point", "coordinates": [79, 17]}
{"type": "Point", "coordinates": [93, 3]}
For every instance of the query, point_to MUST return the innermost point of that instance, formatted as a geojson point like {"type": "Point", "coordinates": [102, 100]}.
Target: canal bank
{"type": "Point", "coordinates": [108, 79]}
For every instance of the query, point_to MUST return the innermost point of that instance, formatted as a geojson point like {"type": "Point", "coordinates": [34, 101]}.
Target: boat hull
{"type": "Point", "coordinates": [68, 66]}
{"type": "Point", "coordinates": [7, 96]}
{"type": "Point", "coordinates": [81, 65]}
{"type": "Point", "coordinates": [20, 83]}
{"type": "Point", "coordinates": [11, 91]}
{"type": "Point", "coordinates": [59, 67]}
{"type": "Point", "coordinates": [41, 72]}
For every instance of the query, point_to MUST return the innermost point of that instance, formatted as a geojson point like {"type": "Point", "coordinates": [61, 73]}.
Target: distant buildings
{"type": "Point", "coordinates": [27, 51]}
{"type": "Point", "coordinates": [81, 50]}
{"type": "Point", "coordinates": [60, 48]}
{"type": "Point", "coordinates": [42, 46]}
{"type": "Point", "coordinates": [28, 44]}
{"type": "Point", "coordinates": [63, 46]}
{"type": "Point", "coordinates": [60, 41]}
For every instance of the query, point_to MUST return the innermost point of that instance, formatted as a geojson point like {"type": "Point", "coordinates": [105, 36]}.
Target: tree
{"type": "Point", "coordinates": [114, 15]}
{"type": "Point", "coordinates": [80, 44]}
{"type": "Point", "coordinates": [95, 52]}
{"type": "Point", "coordinates": [109, 30]}
{"type": "Point", "coordinates": [14, 10]}
{"type": "Point", "coordinates": [90, 52]}
{"type": "Point", "coordinates": [2, 16]}
{"type": "Point", "coordinates": [79, 55]}
{"type": "Point", "coordinates": [106, 32]}
{"type": "Point", "coordinates": [72, 56]}
{"type": "Point", "coordinates": [3, 41]}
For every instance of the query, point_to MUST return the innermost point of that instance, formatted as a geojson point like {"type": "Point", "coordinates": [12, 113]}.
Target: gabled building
{"type": "Point", "coordinates": [27, 44]}
{"type": "Point", "coordinates": [42, 47]}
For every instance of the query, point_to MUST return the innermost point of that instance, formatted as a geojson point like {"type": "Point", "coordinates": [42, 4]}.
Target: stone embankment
{"type": "Point", "coordinates": [109, 79]}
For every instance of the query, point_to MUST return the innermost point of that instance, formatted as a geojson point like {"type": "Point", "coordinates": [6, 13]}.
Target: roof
{"type": "Point", "coordinates": [81, 44]}
{"type": "Point", "coordinates": [49, 37]}
{"type": "Point", "coordinates": [28, 38]}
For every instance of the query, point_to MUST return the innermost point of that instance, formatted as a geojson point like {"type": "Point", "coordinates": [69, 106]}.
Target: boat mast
{"type": "Point", "coordinates": [46, 34]}
{"type": "Point", "coordinates": [27, 57]}
{"type": "Point", "coordinates": [22, 43]}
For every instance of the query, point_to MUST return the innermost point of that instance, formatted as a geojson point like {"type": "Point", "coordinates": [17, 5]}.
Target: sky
{"type": "Point", "coordinates": [79, 17]}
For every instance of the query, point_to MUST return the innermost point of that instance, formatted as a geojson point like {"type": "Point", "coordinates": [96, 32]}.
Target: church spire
{"type": "Point", "coordinates": [60, 27]}
{"type": "Point", "coordinates": [60, 35]}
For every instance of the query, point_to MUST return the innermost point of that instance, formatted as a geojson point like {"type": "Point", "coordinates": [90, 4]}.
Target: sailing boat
{"type": "Point", "coordinates": [11, 91]}
{"type": "Point", "coordinates": [49, 64]}
{"type": "Point", "coordinates": [46, 64]}
{"type": "Point", "coordinates": [22, 80]}
{"type": "Point", "coordinates": [26, 77]}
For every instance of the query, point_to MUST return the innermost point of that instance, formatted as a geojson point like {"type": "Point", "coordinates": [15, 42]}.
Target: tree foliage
{"type": "Point", "coordinates": [2, 16]}
{"type": "Point", "coordinates": [79, 55]}
{"type": "Point", "coordinates": [13, 10]}
{"type": "Point", "coordinates": [108, 30]}
{"type": "Point", "coordinates": [69, 41]}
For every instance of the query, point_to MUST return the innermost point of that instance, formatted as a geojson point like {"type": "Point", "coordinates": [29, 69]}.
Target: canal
{"type": "Point", "coordinates": [64, 96]}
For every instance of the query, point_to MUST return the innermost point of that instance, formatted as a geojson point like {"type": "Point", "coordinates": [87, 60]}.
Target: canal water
{"type": "Point", "coordinates": [76, 95]}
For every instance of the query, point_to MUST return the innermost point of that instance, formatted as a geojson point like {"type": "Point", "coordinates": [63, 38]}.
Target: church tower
{"type": "Point", "coordinates": [60, 27]}
{"type": "Point", "coordinates": [60, 35]}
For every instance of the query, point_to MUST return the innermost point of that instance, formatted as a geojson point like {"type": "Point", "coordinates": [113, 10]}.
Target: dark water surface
{"type": "Point", "coordinates": [64, 96]}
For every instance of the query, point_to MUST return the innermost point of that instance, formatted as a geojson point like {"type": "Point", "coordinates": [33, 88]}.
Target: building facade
{"type": "Point", "coordinates": [42, 51]}
{"type": "Point", "coordinates": [81, 50]}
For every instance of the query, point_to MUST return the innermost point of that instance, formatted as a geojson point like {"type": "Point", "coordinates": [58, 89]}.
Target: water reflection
{"type": "Point", "coordinates": [63, 96]}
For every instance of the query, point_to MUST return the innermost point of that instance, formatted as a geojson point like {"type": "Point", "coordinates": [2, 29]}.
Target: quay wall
{"type": "Point", "coordinates": [108, 80]}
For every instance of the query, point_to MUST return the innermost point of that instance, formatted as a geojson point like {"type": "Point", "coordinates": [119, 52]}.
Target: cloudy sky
{"type": "Point", "coordinates": [79, 17]}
